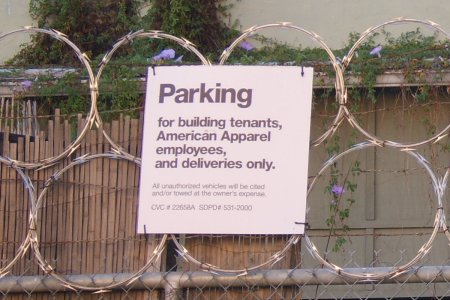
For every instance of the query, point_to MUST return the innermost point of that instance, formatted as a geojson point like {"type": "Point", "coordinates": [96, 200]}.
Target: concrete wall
{"type": "Point", "coordinates": [13, 15]}
{"type": "Point", "coordinates": [333, 20]}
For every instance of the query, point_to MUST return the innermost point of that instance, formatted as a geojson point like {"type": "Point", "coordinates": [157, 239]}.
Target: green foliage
{"type": "Point", "coordinates": [408, 53]}
{"type": "Point", "coordinates": [272, 52]}
{"type": "Point", "coordinates": [92, 25]}
{"type": "Point", "coordinates": [199, 21]}
{"type": "Point", "coordinates": [340, 187]}
{"type": "Point", "coordinates": [66, 93]}
{"type": "Point", "coordinates": [119, 91]}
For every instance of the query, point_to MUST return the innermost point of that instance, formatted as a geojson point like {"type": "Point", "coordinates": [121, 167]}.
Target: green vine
{"type": "Point", "coordinates": [340, 188]}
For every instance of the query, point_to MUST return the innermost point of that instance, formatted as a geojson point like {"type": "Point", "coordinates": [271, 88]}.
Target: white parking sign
{"type": "Point", "coordinates": [225, 150]}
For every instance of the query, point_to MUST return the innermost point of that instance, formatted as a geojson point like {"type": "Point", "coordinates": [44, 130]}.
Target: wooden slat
{"type": "Point", "coordinates": [41, 178]}
{"type": "Point", "coordinates": [79, 217]}
{"type": "Point", "coordinates": [133, 183]}
{"type": "Point", "coordinates": [127, 199]}
{"type": "Point", "coordinates": [101, 213]}
{"type": "Point", "coordinates": [88, 233]}
{"type": "Point", "coordinates": [11, 203]}
{"type": "Point", "coordinates": [95, 204]}
{"type": "Point", "coordinates": [2, 104]}
{"type": "Point", "coordinates": [6, 193]}
{"type": "Point", "coordinates": [6, 142]}
{"type": "Point", "coordinates": [3, 207]}
{"type": "Point", "coordinates": [114, 207]}
{"type": "Point", "coordinates": [123, 258]}
{"type": "Point", "coordinates": [52, 202]}
{"type": "Point", "coordinates": [96, 166]}
{"type": "Point", "coordinates": [67, 242]}
{"type": "Point", "coordinates": [105, 204]}
{"type": "Point", "coordinates": [59, 233]}
{"type": "Point", "coordinates": [130, 221]}
{"type": "Point", "coordinates": [20, 215]}
{"type": "Point", "coordinates": [11, 115]}
{"type": "Point", "coordinates": [88, 220]}
{"type": "Point", "coordinates": [145, 244]}
{"type": "Point", "coordinates": [84, 198]}
{"type": "Point", "coordinates": [47, 205]}
{"type": "Point", "coordinates": [110, 179]}
{"type": "Point", "coordinates": [77, 211]}
{"type": "Point", "coordinates": [140, 134]}
{"type": "Point", "coordinates": [28, 118]}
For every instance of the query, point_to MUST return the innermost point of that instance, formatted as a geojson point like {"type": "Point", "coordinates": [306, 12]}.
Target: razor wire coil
{"type": "Point", "coordinates": [93, 117]}
{"type": "Point", "coordinates": [84, 59]}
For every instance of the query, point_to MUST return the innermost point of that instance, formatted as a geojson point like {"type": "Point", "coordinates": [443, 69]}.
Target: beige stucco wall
{"type": "Point", "coordinates": [13, 15]}
{"type": "Point", "coordinates": [333, 20]}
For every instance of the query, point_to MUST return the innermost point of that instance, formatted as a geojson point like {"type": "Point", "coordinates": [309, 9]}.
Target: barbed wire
{"type": "Point", "coordinates": [28, 186]}
{"type": "Point", "coordinates": [340, 92]}
{"type": "Point", "coordinates": [339, 88]}
{"type": "Point", "coordinates": [93, 117]}
{"type": "Point", "coordinates": [346, 62]}
{"type": "Point", "coordinates": [128, 39]}
{"type": "Point", "coordinates": [35, 244]}
{"type": "Point", "coordinates": [92, 86]}
{"type": "Point", "coordinates": [357, 112]}
{"type": "Point", "coordinates": [439, 219]}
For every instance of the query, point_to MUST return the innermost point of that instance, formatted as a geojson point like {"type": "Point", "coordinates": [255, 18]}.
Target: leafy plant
{"type": "Point", "coordinates": [340, 206]}
{"type": "Point", "coordinates": [94, 26]}
{"type": "Point", "coordinates": [199, 21]}
{"type": "Point", "coordinates": [91, 25]}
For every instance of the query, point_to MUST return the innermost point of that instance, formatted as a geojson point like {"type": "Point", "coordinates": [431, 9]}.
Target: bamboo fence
{"type": "Point", "coordinates": [87, 221]}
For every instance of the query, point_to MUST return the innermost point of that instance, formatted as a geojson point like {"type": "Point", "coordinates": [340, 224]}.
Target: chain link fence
{"type": "Point", "coordinates": [297, 283]}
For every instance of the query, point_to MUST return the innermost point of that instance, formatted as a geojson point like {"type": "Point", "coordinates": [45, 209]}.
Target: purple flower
{"type": "Point", "coordinates": [26, 84]}
{"type": "Point", "coordinates": [246, 45]}
{"type": "Point", "coordinates": [165, 54]}
{"type": "Point", "coordinates": [337, 190]}
{"type": "Point", "coordinates": [376, 51]}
